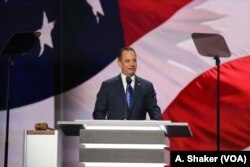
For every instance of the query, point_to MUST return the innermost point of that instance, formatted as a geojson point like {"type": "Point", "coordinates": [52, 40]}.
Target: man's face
{"type": "Point", "coordinates": [128, 63]}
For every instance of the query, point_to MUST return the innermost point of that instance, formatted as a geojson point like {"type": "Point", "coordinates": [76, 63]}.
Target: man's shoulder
{"type": "Point", "coordinates": [111, 80]}
{"type": "Point", "coordinates": [143, 80]}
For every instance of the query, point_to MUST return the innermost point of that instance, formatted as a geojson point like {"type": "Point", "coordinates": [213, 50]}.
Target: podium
{"type": "Point", "coordinates": [42, 148]}
{"type": "Point", "coordinates": [124, 142]}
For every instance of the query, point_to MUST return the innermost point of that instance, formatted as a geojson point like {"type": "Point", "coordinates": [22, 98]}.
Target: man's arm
{"type": "Point", "coordinates": [152, 106]}
{"type": "Point", "coordinates": [100, 110]}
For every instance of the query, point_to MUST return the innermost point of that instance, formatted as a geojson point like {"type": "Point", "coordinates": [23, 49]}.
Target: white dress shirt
{"type": "Point", "coordinates": [124, 82]}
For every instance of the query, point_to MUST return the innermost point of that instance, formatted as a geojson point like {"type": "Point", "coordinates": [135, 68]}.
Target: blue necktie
{"type": "Point", "coordinates": [129, 96]}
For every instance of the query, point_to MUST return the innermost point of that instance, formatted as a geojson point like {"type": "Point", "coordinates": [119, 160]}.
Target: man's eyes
{"type": "Point", "coordinates": [127, 61]}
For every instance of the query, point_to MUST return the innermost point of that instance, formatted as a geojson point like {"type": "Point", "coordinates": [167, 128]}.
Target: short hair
{"type": "Point", "coordinates": [124, 49]}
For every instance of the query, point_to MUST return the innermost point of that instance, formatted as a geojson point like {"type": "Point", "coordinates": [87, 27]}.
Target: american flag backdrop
{"type": "Point", "coordinates": [59, 78]}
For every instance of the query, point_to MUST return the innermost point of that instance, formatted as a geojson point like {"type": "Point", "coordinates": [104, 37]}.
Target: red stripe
{"type": "Point", "coordinates": [196, 104]}
{"type": "Point", "coordinates": [140, 17]}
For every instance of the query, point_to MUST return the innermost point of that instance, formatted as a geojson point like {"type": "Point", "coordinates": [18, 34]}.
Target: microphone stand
{"type": "Point", "coordinates": [127, 110]}
{"type": "Point", "coordinates": [213, 45]}
{"type": "Point", "coordinates": [10, 64]}
{"type": "Point", "coordinates": [127, 113]}
{"type": "Point", "coordinates": [217, 62]}
{"type": "Point", "coordinates": [20, 43]}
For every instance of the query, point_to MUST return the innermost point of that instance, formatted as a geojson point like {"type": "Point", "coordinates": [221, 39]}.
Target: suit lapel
{"type": "Point", "coordinates": [137, 90]}
{"type": "Point", "coordinates": [119, 86]}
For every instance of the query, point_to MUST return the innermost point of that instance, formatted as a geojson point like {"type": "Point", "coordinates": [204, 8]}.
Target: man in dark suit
{"type": "Point", "coordinates": [112, 102]}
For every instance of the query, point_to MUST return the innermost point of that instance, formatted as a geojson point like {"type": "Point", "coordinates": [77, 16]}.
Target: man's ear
{"type": "Point", "coordinates": [119, 62]}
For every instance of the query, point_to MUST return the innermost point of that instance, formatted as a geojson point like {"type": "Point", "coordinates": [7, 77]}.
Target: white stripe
{"type": "Point", "coordinates": [123, 146]}
{"type": "Point", "coordinates": [247, 148]}
{"type": "Point", "coordinates": [103, 164]}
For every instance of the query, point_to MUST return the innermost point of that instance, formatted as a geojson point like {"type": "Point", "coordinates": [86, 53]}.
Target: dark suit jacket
{"type": "Point", "coordinates": [111, 101]}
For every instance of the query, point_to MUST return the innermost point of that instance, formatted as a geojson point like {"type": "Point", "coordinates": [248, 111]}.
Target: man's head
{"type": "Point", "coordinates": [127, 61]}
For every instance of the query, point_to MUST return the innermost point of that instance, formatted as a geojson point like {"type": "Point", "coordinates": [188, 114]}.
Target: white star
{"type": "Point", "coordinates": [96, 8]}
{"type": "Point", "coordinates": [45, 30]}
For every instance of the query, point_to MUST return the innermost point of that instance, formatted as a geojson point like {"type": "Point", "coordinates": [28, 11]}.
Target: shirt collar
{"type": "Point", "coordinates": [124, 80]}
{"type": "Point", "coordinates": [124, 77]}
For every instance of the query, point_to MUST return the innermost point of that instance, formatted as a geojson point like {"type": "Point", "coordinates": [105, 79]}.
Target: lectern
{"type": "Point", "coordinates": [42, 148]}
{"type": "Point", "coordinates": [124, 143]}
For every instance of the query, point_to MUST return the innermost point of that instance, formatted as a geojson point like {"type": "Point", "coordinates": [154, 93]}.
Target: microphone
{"type": "Point", "coordinates": [128, 80]}
{"type": "Point", "coordinates": [42, 126]}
